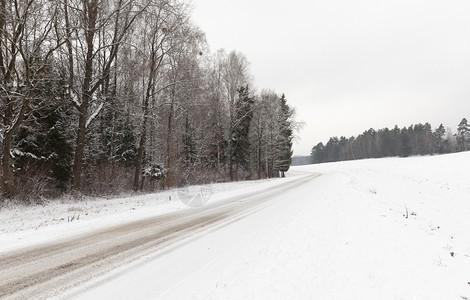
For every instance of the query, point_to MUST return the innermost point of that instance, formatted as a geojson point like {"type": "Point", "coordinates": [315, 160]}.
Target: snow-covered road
{"type": "Point", "coordinates": [54, 267]}
{"type": "Point", "coordinates": [395, 228]}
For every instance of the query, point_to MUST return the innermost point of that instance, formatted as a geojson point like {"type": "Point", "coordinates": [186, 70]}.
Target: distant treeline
{"type": "Point", "coordinates": [416, 139]}
{"type": "Point", "coordinates": [300, 160]}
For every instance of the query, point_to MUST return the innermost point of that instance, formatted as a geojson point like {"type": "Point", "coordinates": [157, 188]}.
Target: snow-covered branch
{"type": "Point", "coordinates": [94, 114]}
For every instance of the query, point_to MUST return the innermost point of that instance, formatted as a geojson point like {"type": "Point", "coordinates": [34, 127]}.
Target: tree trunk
{"type": "Point", "coordinates": [143, 129]}
{"type": "Point", "coordinates": [170, 176]}
{"type": "Point", "coordinates": [268, 174]}
{"type": "Point", "coordinates": [7, 169]}
{"type": "Point", "coordinates": [259, 158]}
{"type": "Point", "coordinates": [7, 175]}
{"type": "Point", "coordinates": [92, 12]}
{"type": "Point", "coordinates": [230, 162]}
{"type": "Point", "coordinates": [80, 148]}
{"type": "Point", "coordinates": [230, 150]}
{"type": "Point", "coordinates": [260, 135]}
{"type": "Point", "coordinates": [140, 154]}
{"type": "Point", "coordinates": [143, 138]}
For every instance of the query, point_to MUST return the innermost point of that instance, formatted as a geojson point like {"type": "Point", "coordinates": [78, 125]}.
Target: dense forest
{"type": "Point", "coordinates": [416, 139]}
{"type": "Point", "coordinates": [108, 96]}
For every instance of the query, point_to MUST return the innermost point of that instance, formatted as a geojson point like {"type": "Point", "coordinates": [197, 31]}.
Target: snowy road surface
{"type": "Point", "coordinates": [395, 228]}
{"type": "Point", "coordinates": [52, 268]}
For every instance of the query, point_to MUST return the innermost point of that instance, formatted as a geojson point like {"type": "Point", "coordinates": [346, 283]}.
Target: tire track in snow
{"type": "Point", "coordinates": [52, 268]}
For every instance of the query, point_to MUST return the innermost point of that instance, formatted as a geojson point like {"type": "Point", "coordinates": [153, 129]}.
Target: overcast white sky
{"type": "Point", "coordinates": [347, 66]}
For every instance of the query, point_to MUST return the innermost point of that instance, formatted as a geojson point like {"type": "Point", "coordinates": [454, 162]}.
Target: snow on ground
{"type": "Point", "coordinates": [22, 226]}
{"type": "Point", "coordinates": [395, 228]}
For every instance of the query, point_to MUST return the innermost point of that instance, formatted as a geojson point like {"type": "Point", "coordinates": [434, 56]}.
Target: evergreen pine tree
{"type": "Point", "coordinates": [317, 155]}
{"type": "Point", "coordinates": [126, 140]}
{"type": "Point", "coordinates": [117, 135]}
{"type": "Point", "coordinates": [188, 151]}
{"type": "Point", "coordinates": [44, 142]}
{"type": "Point", "coordinates": [463, 135]}
{"type": "Point", "coordinates": [439, 134]}
{"type": "Point", "coordinates": [286, 134]}
{"type": "Point", "coordinates": [240, 134]}
{"type": "Point", "coordinates": [406, 141]}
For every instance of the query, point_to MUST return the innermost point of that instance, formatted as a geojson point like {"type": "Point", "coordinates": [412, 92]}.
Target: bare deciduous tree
{"type": "Point", "coordinates": [27, 44]}
{"type": "Point", "coordinates": [95, 30]}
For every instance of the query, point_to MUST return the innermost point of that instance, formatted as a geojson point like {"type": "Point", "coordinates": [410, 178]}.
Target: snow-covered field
{"type": "Point", "coordinates": [395, 228]}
